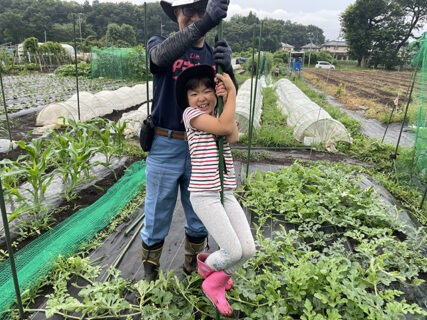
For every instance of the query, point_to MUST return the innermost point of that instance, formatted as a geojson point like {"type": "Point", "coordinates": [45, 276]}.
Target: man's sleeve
{"type": "Point", "coordinates": [152, 43]}
{"type": "Point", "coordinates": [164, 53]}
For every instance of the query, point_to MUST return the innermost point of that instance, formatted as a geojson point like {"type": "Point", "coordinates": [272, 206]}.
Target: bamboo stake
{"type": "Point", "coordinates": [146, 58]}
{"type": "Point", "coordinates": [77, 72]}
{"type": "Point", "coordinates": [251, 124]}
{"type": "Point", "coordinates": [5, 106]}
{"type": "Point", "coordinates": [10, 250]}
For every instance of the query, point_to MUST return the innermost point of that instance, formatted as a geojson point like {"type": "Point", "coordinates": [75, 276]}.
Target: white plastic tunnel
{"type": "Point", "coordinates": [243, 101]}
{"type": "Point", "coordinates": [93, 105]}
{"type": "Point", "coordinates": [312, 124]}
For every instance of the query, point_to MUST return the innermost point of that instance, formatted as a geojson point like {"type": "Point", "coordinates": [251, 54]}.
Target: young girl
{"type": "Point", "coordinates": [197, 93]}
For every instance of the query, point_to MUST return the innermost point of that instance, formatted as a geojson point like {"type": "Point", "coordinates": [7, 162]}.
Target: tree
{"type": "Point", "coordinates": [12, 27]}
{"type": "Point", "coordinates": [280, 57]}
{"type": "Point", "coordinates": [120, 36]}
{"type": "Point", "coordinates": [378, 29]}
{"type": "Point", "coordinates": [272, 34]}
{"type": "Point", "coordinates": [128, 34]}
{"type": "Point", "coordinates": [113, 34]}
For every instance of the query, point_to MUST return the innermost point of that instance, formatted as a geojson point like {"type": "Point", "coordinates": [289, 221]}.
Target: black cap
{"type": "Point", "coordinates": [199, 71]}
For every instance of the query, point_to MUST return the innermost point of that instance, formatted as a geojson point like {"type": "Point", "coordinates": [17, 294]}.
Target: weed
{"type": "Point", "coordinates": [340, 90]}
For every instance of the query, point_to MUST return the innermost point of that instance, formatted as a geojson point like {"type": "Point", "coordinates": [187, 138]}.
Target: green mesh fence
{"type": "Point", "coordinates": [37, 259]}
{"type": "Point", "coordinates": [411, 164]}
{"type": "Point", "coordinates": [118, 63]}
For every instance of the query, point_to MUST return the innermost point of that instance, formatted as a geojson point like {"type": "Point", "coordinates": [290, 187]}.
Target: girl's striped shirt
{"type": "Point", "coordinates": [205, 158]}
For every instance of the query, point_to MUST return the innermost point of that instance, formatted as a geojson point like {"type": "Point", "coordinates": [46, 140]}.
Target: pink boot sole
{"type": "Point", "coordinates": [213, 288]}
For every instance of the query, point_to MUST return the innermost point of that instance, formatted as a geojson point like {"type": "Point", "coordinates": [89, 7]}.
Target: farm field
{"type": "Point", "coordinates": [372, 91]}
{"type": "Point", "coordinates": [327, 248]}
{"type": "Point", "coordinates": [29, 91]}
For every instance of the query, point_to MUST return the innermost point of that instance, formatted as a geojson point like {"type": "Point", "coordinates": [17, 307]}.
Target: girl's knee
{"type": "Point", "coordinates": [248, 249]}
{"type": "Point", "coordinates": [236, 254]}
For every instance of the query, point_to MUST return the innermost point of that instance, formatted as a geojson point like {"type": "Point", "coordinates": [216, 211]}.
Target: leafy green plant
{"type": "Point", "coordinates": [69, 70]}
{"type": "Point", "coordinates": [318, 278]}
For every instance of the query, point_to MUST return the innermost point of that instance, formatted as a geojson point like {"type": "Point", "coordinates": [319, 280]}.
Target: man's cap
{"type": "Point", "coordinates": [199, 71]}
{"type": "Point", "coordinates": [169, 7]}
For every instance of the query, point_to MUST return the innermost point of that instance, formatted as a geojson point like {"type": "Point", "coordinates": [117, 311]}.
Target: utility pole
{"type": "Point", "coordinates": [80, 27]}
{"type": "Point", "coordinates": [45, 37]}
{"type": "Point", "coordinates": [311, 48]}
{"type": "Point", "coordinates": [161, 27]}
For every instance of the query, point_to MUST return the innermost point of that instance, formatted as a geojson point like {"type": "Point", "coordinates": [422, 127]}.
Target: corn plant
{"type": "Point", "coordinates": [33, 170]}
{"type": "Point", "coordinates": [72, 156]}
{"type": "Point", "coordinates": [10, 180]}
{"type": "Point", "coordinates": [119, 136]}
{"type": "Point", "coordinates": [111, 140]}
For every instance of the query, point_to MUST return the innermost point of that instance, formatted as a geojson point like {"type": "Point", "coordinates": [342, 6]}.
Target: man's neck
{"type": "Point", "coordinates": [200, 43]}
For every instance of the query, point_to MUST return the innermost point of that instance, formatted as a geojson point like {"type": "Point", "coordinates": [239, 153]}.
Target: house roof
{"type": "Point", "coordinates": [310, 46]}
{"type": "Point", "coordinates": [334, 43]}
{"type": "Point", "coordinates": [285, 45]}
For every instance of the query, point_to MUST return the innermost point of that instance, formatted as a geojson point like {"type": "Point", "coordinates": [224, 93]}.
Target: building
{"type": "Point", "coordinates": [310, 47]}
{"type": "Point", "coordinates": [338, 49]}
{"type": "Point", "coordinates": [287, 47]}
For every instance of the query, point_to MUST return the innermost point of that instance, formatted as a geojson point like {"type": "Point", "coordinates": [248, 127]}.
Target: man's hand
{"type": "Point", "coordinates": [217, 10]}
{"type": "Point", "coordinates": [222, 55]}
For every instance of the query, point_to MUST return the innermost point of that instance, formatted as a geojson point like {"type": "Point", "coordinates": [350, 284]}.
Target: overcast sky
{"type": "Point", "coordinates": [323, 14]}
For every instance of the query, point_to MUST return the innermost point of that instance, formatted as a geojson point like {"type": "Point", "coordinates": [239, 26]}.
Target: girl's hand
{"type": "Point", "coordinates": [225, 86]}
{"type": "Point", "coordinates": [221, 91]}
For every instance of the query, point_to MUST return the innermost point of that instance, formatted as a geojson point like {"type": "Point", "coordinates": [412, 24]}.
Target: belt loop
{"type": "Point", "coordinates": [169, 134]}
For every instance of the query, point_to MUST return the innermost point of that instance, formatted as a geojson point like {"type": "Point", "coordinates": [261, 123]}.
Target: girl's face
{"type": "Point", "coordinates": [202, 98]}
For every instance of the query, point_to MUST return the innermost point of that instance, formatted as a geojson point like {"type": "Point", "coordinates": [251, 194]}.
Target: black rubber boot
{"type": "Point", "coordinates": [150, 260]}
{"type": "Point", "coordinates": [193, 246]}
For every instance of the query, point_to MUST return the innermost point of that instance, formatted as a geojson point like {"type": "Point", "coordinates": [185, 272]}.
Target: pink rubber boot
{"type": "Point", "coordinates": [204, 270]}
{"type": "Point", "coordinates": [214, 289]}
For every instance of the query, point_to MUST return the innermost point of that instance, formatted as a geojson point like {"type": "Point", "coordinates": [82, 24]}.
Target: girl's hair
{"type": "Point", "coordinates": [194, 83]}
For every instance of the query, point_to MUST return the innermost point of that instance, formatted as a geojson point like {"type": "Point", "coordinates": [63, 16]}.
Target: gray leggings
{"type": "Point", "coordinates": [228, 226]}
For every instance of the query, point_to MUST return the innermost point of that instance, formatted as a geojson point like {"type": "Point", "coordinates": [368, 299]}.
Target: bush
{"type": "Point", "coordinates": [249, 64]}
{"type": "Point", "coordinates": [69, 70]}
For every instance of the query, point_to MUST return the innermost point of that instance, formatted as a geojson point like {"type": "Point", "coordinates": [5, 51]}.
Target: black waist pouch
{"type": "Point", "coordinates": [147, 134]}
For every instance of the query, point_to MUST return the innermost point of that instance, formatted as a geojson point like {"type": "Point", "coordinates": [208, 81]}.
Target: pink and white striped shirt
{"type": "Point", "coordinates": [205, 158]}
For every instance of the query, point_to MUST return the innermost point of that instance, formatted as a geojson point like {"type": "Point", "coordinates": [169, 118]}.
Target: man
{"type": "Point", "coordinates": [168, 162]}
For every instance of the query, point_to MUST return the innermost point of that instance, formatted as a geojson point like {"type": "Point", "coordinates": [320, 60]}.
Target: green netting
{"type": "Point", "coordinates": [411, 164]}
{"type": "Point", "coordinates": [37, 259]}
{"type": "Point", "coordinates": [118, 63]}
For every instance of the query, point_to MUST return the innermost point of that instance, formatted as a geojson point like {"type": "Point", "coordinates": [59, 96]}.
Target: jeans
{"type": "Point", "coordinates": [168, 167]}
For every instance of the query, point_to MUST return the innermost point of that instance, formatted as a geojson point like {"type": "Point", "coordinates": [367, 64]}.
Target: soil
{"type": "Point", "coordinates": [373, 128]}
{"type": "Point", "coordinates": [379, 87]}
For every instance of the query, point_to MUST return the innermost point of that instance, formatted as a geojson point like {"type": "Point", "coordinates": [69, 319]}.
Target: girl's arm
{"type": "Point", "coordinates": [234, 136]}
{"type": "Point", "coordinates": [225, 124]}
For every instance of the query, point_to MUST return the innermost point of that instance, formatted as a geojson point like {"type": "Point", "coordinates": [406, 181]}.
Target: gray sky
{"type": "Point", "coordinates": [323, 14]}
